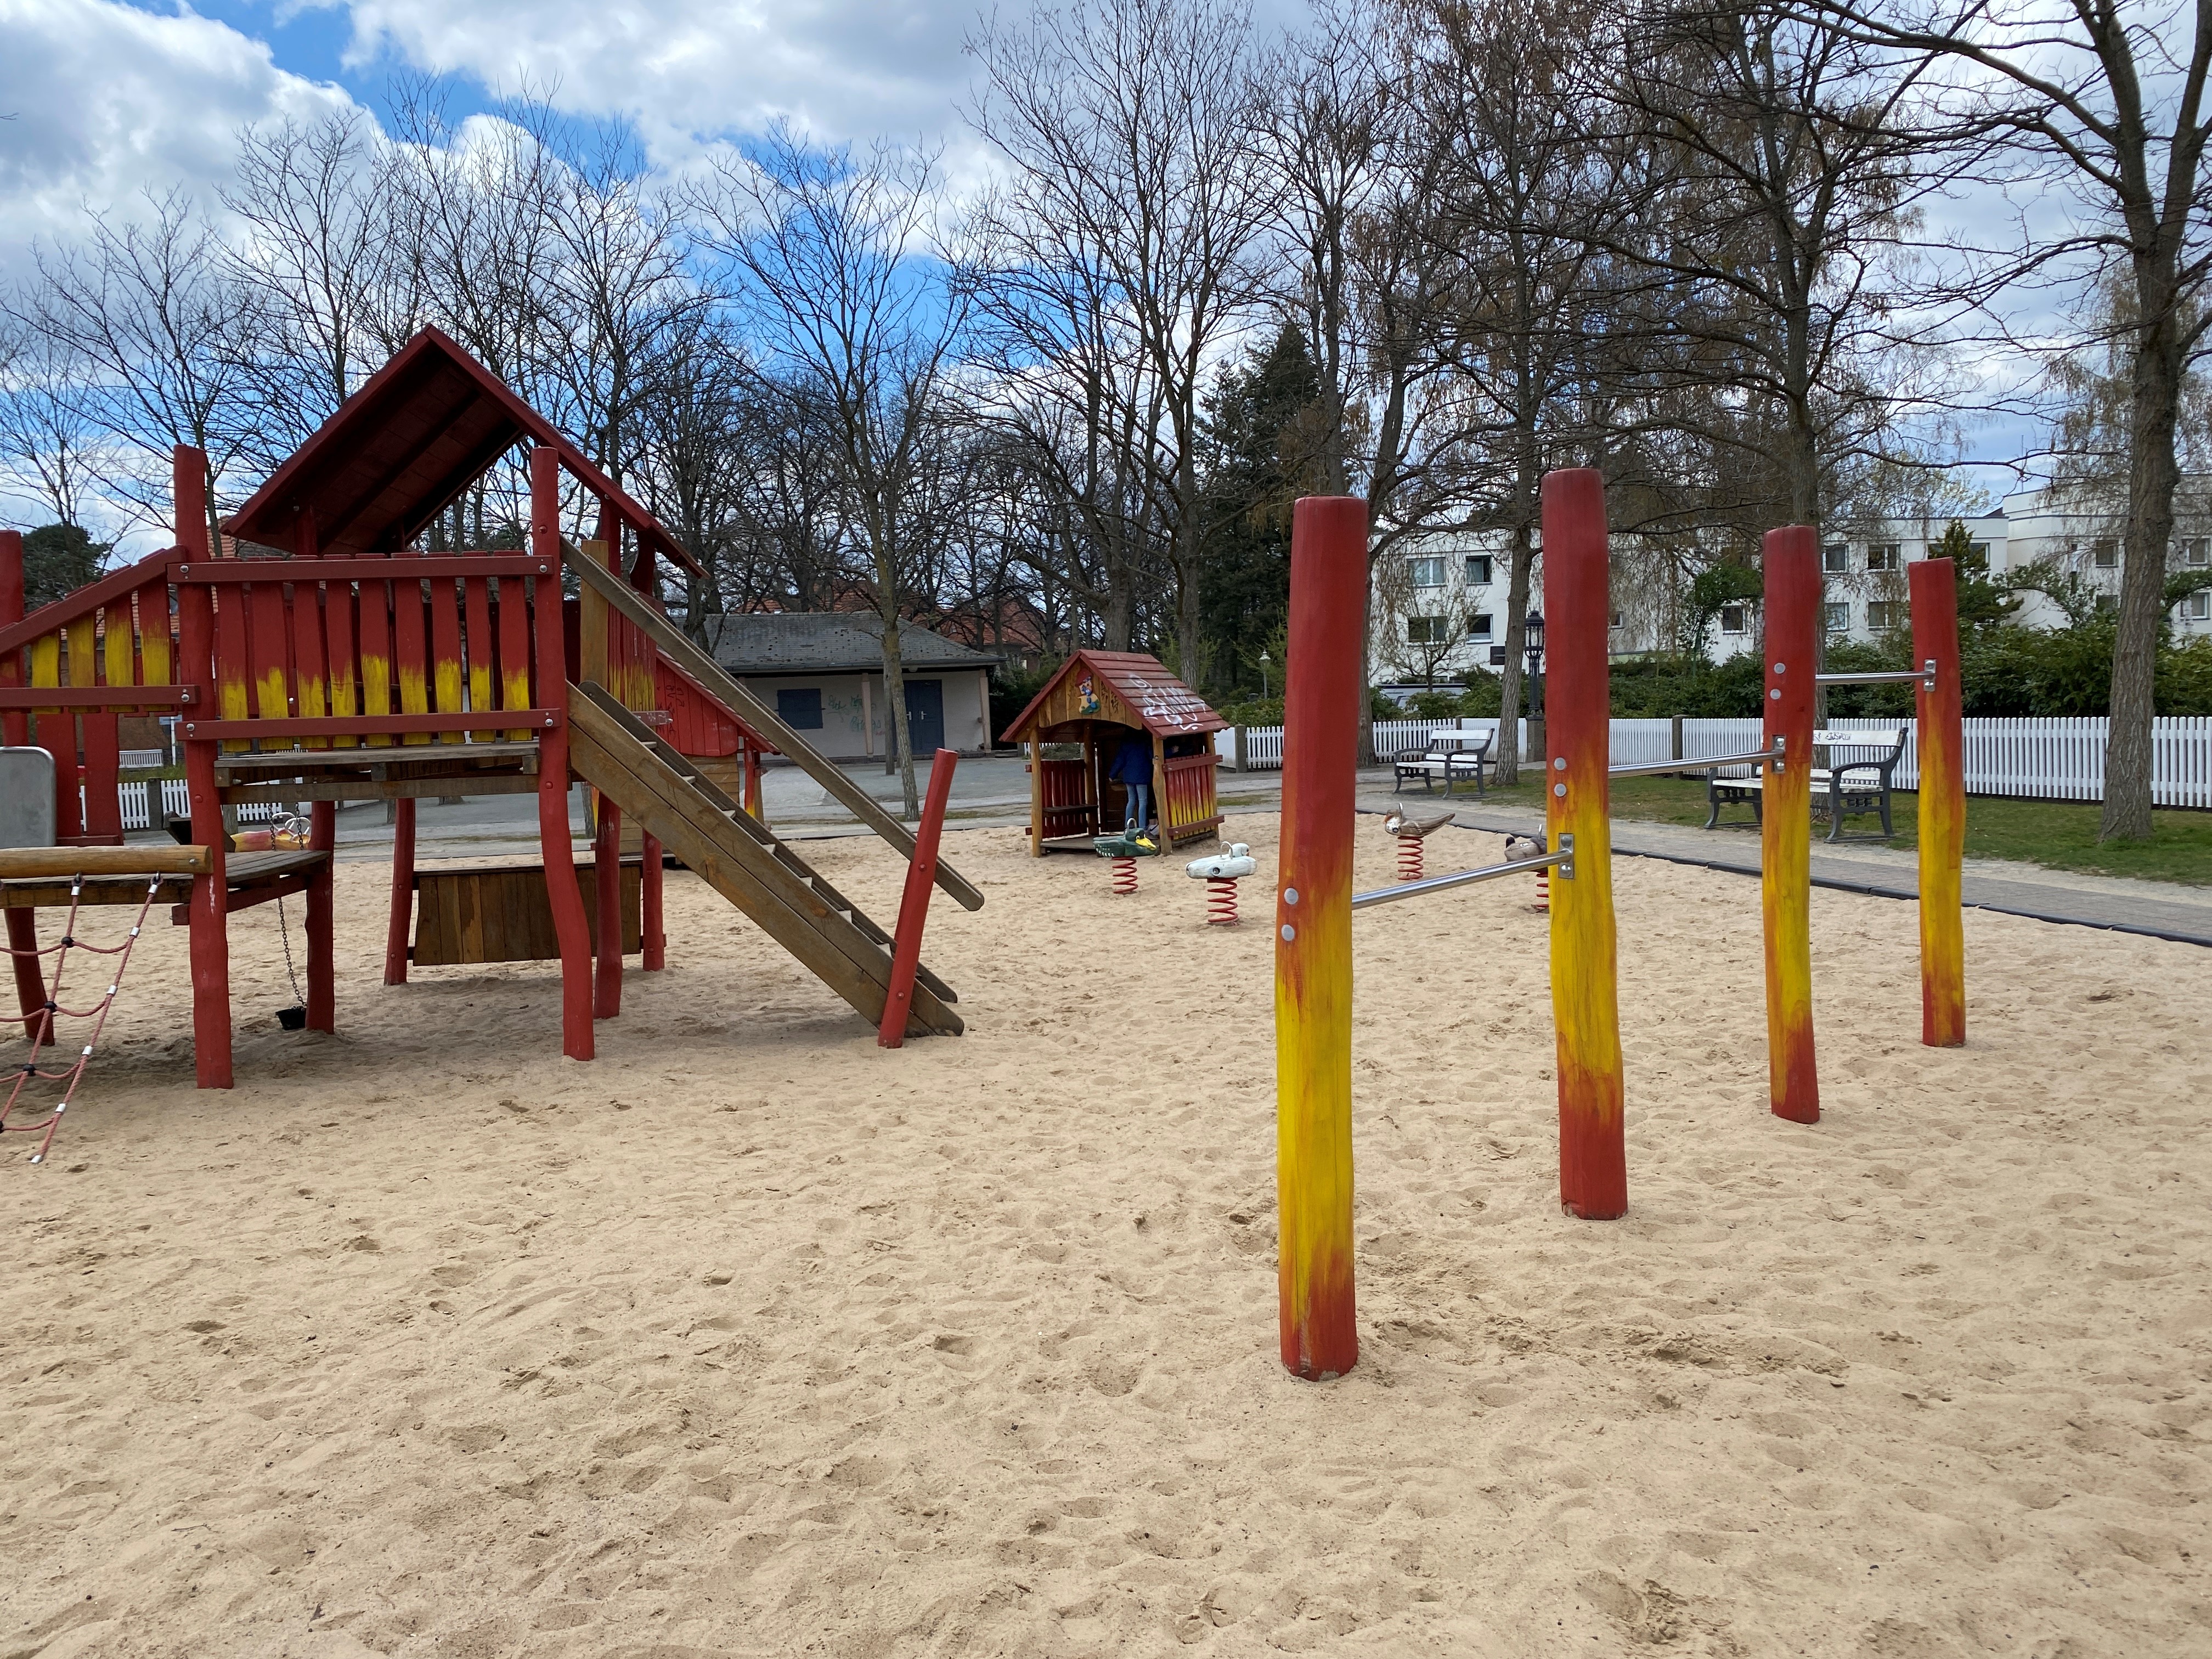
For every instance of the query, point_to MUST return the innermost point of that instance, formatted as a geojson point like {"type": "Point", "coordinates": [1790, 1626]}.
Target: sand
{"type": "Point", "coordinates": [749, 1338]}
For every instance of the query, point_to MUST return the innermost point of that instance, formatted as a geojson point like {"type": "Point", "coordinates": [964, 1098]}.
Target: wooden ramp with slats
{"type": "Point", "coordinates": [742, 860]}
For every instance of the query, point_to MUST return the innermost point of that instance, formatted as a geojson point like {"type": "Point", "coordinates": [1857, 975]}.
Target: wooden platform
{"type": "Point", "coordinates": [245, 873]}
{"type": "Point", "coordinates": [397, 772]}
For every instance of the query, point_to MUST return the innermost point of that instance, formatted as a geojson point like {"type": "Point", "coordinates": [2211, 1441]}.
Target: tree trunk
{"type": "Point", "coordinates": [2153, 477]}
{"type": "Point", "coordinates": [1516, 638]}
{"type": "Point", "coordinates": [901, 749]}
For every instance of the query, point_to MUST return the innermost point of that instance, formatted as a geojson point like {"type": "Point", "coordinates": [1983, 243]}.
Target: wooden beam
{"type": "Point", "coordinates": [36, 863]}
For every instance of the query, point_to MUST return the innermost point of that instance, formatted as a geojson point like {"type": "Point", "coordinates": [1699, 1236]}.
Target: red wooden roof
{"type": "Point", "coordinates": [1163, 703]}
{"type": "Point", "coordinates": [419, 432]}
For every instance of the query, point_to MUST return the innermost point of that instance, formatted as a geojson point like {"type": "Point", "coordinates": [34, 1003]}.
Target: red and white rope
{"type": "Point", "coordinates": [41, 1022]}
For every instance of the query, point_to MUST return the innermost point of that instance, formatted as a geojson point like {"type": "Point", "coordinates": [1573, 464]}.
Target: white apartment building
{"type": "Point", "coordinates": [1440, 604]}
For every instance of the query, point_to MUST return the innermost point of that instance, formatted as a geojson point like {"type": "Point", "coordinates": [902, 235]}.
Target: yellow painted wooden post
{"type": "Point", "coordinates": [1941, 753]}
{"type": "Point", "coordinates": [1313, 936]}
{"type": "Point", "coordinates": [1792, 559]}
{"type": "Point", "coordinates": [1578, 722]}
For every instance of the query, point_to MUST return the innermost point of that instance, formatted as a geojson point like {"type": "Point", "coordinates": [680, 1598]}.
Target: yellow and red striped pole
{"type": "Point", "coordinates": [1792, 558]}
{"type": "Point", "coordinates": [1585, 998]}
{"type": "Point", "coordinates": [1321, 691]}
{"type": "Point", "coordinates": [1941, 752]}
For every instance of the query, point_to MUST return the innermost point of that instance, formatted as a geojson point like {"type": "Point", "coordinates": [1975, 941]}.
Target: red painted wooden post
{"type": "Point", "coordinates": [563, 892]}
{"type": "Point", "coordinates": [1585, 993]}
{"type": "Point", "coordinates": [15, 731]}
{"type": "Point", "coordinates": [1941, 751]}
{"type": "Point", "coordinates": [411, 649]}
{"type": "Point", "coordinates": [478, 648]}
{"type": "Point", "coordinates": [201, 670]}
{"type": "Point", "coordinates": [514, 651]}
{"type": "Point", "coordinates": [1792, 558]}
{"type": "Point", "coordinates": [322, 921]}
{"type": "Point", "coordinates": [914, 903]}
{"type": "Point", "coordinates": [373, 630]}
{"type": "Point", "coordinates": [403, 892]}
{"type": "Point", "coordinates": [446, 673]}
{"type": "Point", "coordinates": [1317, 1311]}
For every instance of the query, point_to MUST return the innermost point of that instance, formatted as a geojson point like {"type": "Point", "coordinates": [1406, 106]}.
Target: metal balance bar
{"type": "Point", "coordinates": [1562, 861]}
{"type": "Point", "coordinates": [1698, 762]}
{"type": "Point", "coordinates": [1923, 675]}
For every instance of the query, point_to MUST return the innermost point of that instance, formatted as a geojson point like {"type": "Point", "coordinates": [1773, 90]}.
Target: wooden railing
{"type": "Point", "coordinates": [1189, 809]}
{"type": "Point", "coordinates": [68, 670]}
{"type": "Point", "coordinates": [1067, 807]}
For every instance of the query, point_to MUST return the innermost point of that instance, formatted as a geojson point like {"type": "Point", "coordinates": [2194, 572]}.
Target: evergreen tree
{"type": "Point", "coordinates": [58, 560]}
{"type": "Point", "coordinates": [1261, 434]}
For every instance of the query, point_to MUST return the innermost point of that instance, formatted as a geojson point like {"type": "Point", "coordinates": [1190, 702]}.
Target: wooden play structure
{"type": "Point", "coordinates": [334, 659]}
{"type": "Point", "coordinates": [1096, 701]}
{"type": "Point", "coordinates": [1317, 1323]}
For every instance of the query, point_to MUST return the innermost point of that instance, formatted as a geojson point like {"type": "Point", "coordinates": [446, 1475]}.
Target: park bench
{"type": "Point", "coordinates": [1840, 788]}
{"type": "Point", "coordinates": [1446, 758]}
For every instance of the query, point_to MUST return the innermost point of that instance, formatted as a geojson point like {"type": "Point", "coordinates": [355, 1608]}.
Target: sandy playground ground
{"type": "Point", "coordinates": [751, 1337]}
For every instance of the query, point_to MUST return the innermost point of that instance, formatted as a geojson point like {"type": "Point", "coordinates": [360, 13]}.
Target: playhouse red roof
{"type": "Point", "coordinates": [1163, 704]}
{"type": "Point", "coordinates": [419, 432]}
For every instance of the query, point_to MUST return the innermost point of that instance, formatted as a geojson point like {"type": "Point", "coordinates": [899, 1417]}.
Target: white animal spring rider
{"type": "Point", "coordinates": [1219, 871]}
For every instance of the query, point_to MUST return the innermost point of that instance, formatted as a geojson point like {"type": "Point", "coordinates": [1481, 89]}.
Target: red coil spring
{"type": "Point", "coordinates": [1125, 877]}
{"type": "Point", "coordinates": [1543, 890]}
{"type": "Point", "coordinates": [1221, 901]}
{"type": "Point", "coordinates": [1409, 858]}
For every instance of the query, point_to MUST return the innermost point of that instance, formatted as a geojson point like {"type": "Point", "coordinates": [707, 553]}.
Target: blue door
{"type": "Point", "coordinates": [924, 716]}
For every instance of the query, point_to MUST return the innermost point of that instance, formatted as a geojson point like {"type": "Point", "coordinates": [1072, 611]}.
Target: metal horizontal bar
{"type": "Point", "coordinates": [1693, 763]}
{"type": "Point", "coordinates": [1897, 677]}
{"type": "Point", "coordinates": [1437, 884]}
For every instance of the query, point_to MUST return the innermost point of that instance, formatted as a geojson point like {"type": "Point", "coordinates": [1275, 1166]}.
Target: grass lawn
{"type": "Point", "coordinates": [2059, 834]}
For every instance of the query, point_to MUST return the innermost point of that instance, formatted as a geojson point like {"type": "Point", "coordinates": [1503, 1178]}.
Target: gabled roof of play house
{"type": "Point", "coordinates": [1125, 687]}
{"type": "Point", "coordinates": [420, 431]}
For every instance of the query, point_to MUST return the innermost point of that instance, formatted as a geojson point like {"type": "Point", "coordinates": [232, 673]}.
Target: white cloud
{"type": "Point", "coordinates": [107, 101]}
{"type": "Point", "coordinates": [686, 69]}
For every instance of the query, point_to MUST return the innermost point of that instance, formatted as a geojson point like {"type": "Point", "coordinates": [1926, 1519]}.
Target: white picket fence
{"type": "Point", "coordinates": [176, 802]}
{"type": "Point", "coordinates": [2035, 759]}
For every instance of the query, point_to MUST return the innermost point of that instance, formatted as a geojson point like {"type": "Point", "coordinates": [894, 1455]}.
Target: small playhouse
{"type": "Point", "coordinates": [1094, 702]}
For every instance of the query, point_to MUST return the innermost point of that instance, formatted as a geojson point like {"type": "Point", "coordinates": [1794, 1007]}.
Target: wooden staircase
{"type": "Point", "coordinates": [744, 861]}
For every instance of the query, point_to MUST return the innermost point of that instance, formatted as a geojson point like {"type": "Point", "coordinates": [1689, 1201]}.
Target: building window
{"type": "Point", "coordinates": [1884, 613]}
{"type": "Point", "coordinates": [2197, 550]}
{"type": "Point", "coordinates": [1478, 627]}
{"type": "Point", "coordinates": [2105, 554]}
{"type": "Point", "coordinates": [1979, 550]}
{"type": "Point", "coordinates": [1427, 630]}
{"type": "Point", "coordinates": [1427, 572]}
{"type": "Point", "coordinates": [1732, 619]}
{"type": "Point", "coordinates": [2197, 607]}
{"type": "Point", "coordinates": [1836, 618]}
{"type": "Point", "coordinates": [1615, 623]}
{"type": "Point", "coordinates": [1478, 569]}
{"type": "Point", "coordinates": [799, 708]}
{"type": "Point", "coordinates": [1835, 558]}
{"type": "Point", "coordinates": [1885, 556]}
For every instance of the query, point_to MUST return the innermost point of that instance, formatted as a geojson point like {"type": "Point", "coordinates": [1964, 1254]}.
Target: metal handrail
{"type": "Point", "coordinates": [1697, 762]}
{"type": "Point", "coordinates": [1923, 675]}
{"type": "Point", "coordinates": [1562, 861]}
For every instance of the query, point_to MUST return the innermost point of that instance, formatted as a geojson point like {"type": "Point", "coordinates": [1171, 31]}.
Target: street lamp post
{"type": "Point", "coordinates": [1263, 676]}
{"type": "Point", "coordinates": [1532, 638]}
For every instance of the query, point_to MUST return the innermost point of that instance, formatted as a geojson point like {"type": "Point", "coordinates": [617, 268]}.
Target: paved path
{"type": "Point", "coordinates": [995, 792]}
{"type": "Point", "coordinates": [2161, 910]}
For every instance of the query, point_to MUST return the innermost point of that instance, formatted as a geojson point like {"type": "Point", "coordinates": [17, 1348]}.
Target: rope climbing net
{"type": "Point", "coordinates": [40, 1024]}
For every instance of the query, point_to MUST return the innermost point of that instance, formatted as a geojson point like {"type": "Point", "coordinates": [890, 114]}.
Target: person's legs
{"type": "Point", "coordinates": [1140, 804]}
